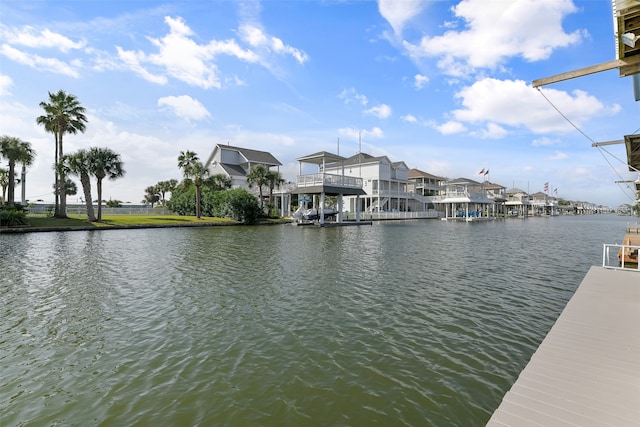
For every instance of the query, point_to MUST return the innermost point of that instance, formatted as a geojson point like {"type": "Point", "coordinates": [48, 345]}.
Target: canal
{"type": "Point", "coordinates": [400, 323]}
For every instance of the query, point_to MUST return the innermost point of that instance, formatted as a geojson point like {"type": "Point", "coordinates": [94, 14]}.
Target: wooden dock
{"type": "Point", "coordinates": [586, 371]}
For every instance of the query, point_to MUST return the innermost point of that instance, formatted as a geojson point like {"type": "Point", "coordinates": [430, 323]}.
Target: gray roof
{"type": "Point", "coordinates": [254, 156]}
{"type": "Point", "coordinates": [358, 158]}
{"type": "Point", "coordinates": [416, 173]}
{"type": "Point", "coordinates": [320, 158]}
{"type": "Point", "coordinates": [463, 181]}
{"type": "Point", "coordinates": [233, 170]}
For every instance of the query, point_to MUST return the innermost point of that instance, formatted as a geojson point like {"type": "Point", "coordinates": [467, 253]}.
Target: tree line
{"type": "Point", "coordinates": [63, 115]}
{"type": "Point", "coordinates": [197, 194]}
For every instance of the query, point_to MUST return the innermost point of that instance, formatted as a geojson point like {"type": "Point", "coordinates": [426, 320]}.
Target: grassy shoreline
{"type": "Point", "coordinates": [77, 222]}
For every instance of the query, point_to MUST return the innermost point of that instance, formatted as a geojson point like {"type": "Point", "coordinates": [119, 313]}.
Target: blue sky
{"type": "Point", "coordinates": [444, 86]}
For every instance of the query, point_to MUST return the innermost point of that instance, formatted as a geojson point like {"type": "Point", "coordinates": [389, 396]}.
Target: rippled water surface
{"type": "Point", "coordinates": [402, 323]}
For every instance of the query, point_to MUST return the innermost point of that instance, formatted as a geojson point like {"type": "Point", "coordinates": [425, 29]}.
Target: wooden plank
{"type": "Point", "coordinates": [579, 73]}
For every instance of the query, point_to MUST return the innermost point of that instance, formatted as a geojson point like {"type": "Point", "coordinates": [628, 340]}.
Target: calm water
{"type": "Point", "coordinates": [405, 323]}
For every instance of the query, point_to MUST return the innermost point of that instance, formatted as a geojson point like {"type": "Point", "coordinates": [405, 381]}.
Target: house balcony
{"type": "Point", "coordinates": [329, 184]}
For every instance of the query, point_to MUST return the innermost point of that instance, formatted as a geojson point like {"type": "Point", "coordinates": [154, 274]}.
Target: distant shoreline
{"type": "Point", "coordinates": [88, 227]}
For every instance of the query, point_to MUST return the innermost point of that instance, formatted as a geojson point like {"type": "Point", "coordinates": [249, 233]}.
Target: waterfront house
{"type": "Point", "coordinates": [384, 183]}
{"type": "Point", "coordinates": [469, 200]}
{"type": "Point", "coordinates": [330, 180]}
{"type": "Point", "coordinates": [235, 163]}
{"type": "Point", "coordinates": [517, 203]}
{"type": "Point", "coordinates": [423, 186]}
{"type": "Point", "coordinates": [544, 205]}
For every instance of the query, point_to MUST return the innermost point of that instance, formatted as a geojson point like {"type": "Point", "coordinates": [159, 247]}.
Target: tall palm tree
{"type": "Point", "coordinates": [63, 114]}
{"type": "Point", "coordinates": [193, 169]}
{"type": "Point", "coordinates": [15, 151]}
{"type": "Point", "coordinates": [164, 187]}
{"type": "Point", "coordinates": [105, 163]}
{"type": "Point", "coordinates": [4, 183]}
{"type": "Point", "coordinates": [258, 176]}
{"type": "Point", "coordinates": [274, 179]}
{"type": "Point", "coordinates": [79, 163]}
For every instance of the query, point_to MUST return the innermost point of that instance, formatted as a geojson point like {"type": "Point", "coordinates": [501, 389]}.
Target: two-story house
{"type": "Point", "coordinates": [235, 163]}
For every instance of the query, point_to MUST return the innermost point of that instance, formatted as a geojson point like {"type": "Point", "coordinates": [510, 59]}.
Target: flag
{"type": "Point", "coordinates": [481, 172]}
{"type": "Point", "coordinates": [555, 191]}
{"type": "Point", "coordinates": [546, 187]}
{"type": "Point", "coordinates": [487, 172]}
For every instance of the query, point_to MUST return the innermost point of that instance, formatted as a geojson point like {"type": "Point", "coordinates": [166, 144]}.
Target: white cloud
{"type": "Point", "coordinates": [5, 84]}
{"type": "Point", "coordinates": [397, 13]}
{"type": "Point", "coordinates": [184, 106]}
{"type": "Point", "coordinates": [497, 30]}
{"type": "Point", "coordinates": [256, 38]}
{"type": "Point", "coordinates": [132, 61]}
{"type": "Point", "coordinates": [514, 103]}
{"type": "Point", "coordinates": [351, 95]}
{"type": "Point", "coordinates": [182, 58]}
{"type": "Point", "coordinates": [544, 141]}
{"type": "Point", "coordinates": [449, 128]}
{"type": "Point", "coordinates": [28, 36]}
{"type": "Point", "coordinates": [381, 111]}
{"type": "Point", "coordinates": [420, 81]}
{"type": "Point", "coordinates": [409, 118]}
{"type": "Point", "coordinates": [38, 62]}
{"type": "Point", "coordinates": [356, 134]}
{"type": "Point", "coordinates": [493, 131]}
{"type": "Point", "coordinates": [558, 156]}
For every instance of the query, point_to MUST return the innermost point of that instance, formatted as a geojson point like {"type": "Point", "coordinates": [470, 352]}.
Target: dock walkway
{"type": "Point", "coordinates": [586, 371]}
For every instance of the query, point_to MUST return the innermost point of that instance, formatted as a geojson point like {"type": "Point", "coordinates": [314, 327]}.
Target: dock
{"type": "Point", "coordinates": [586, 371]}
{"type": "Point", "coordinates": [330, 223]}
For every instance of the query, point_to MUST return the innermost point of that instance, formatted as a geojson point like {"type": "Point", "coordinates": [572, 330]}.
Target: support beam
{"type": "Point", "coordinates": [601, 144]}
{"type": "Point", "coordinates": [579, 73]}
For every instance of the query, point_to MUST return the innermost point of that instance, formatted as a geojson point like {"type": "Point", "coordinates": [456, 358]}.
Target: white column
{"type": "Point", "coordinates": [339, 208]}
{"type": "Point", "coordinates": [321, 209]}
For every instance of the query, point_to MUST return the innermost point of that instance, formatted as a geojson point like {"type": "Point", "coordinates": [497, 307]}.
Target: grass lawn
{"type": "Point", "coordinates": [121, 220]}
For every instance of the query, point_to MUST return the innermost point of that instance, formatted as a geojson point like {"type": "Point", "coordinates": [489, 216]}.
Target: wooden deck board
{"type": "Point", "coordinates": [587, 369]}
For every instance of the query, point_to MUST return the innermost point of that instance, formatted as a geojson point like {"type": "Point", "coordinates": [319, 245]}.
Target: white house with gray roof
{"type": "Point", "coordinates": [235, 163]}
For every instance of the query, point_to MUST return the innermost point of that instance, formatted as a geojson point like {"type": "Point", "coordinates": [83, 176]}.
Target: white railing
{"type": "Point", "coordinates": [328, 179]}
{"type": "Point", "coordinates": [612, 257]}
{"type": "Point", "coordinates": [392, 193]}
{"type": "Point", "coordinates": [378, 216]}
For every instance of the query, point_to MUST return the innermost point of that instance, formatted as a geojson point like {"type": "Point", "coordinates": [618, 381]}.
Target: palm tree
{"type": "Point", "coordinates": [105, 163]}
{"type": "Point", "coordinates": [70, 187]}
{"type": "Point", "coordinates": [63, 114]}
{"type": "Point", "coordinates": [79, 163]}
{"type": "Point", "coordinates": [258, 176]}
{"type": "Point", "coordinates": [164, 187]}
{"type": "Point", "coordinates": [152, 195]}
{"type": "Point", "coordinates": [274, 179]}
{"type": "Point", "coordinates": [4, 183]}
{"type": "Point", "coordinates": [193, 169]}
{"type": "Point", "coordinates": [218, 182]}
{"type": "Point", "coordinates": [15, 151]}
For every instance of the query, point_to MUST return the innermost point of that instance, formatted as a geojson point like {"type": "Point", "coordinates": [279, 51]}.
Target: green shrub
{"type": "Point", "coordinates": [13, 217]}
{"type": "Point", "coordinates": [237, 204]}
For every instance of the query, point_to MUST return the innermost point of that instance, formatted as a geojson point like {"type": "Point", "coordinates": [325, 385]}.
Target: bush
{"type": "Point", "coordinates": [237, 204]}
{"type": "Point", "coordinates": [13, 217]}
{"type": "Point", "coordinates": [183, 201]}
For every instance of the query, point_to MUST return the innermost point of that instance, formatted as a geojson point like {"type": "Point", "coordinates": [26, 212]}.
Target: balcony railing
{"type": "Point", "coordinates": [316, 179]}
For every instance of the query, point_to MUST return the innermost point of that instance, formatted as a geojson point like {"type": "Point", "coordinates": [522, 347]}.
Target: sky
{"type": "Point", "coordinates": [444, 86]}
